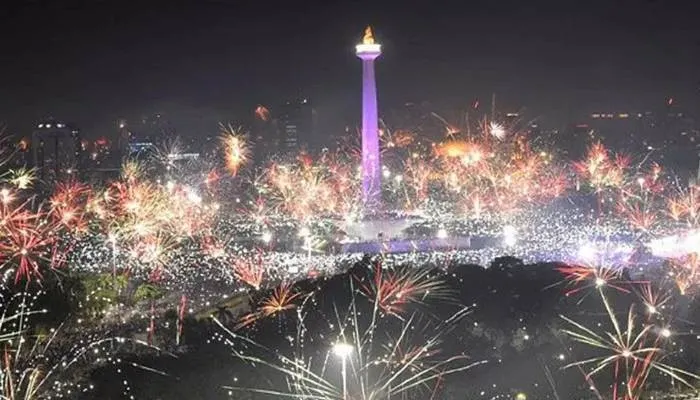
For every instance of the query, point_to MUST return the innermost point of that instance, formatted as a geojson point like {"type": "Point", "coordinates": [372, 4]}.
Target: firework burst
{"type": "Point", "coordinates": [28, 242]}
{"type": "Point", "coordinates": [631, 351]}
{"type": "Point", "coordinates": [377, 361]}
{"type": "Point", "coordinates": [685, 271]}
{"type": "Point", "coordinates": [283, 298]}
{"type": "Point", "coordinates": [584, 277]}
{"type": "Point", "coordinates": [235, 147]}
{"type": "Point", "coordinates": [393, 290]}
{"type": "Point", "coordinates": [250, 270]}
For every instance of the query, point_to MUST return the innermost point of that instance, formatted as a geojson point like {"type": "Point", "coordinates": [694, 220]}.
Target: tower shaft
{"type": "Point", "coordinates": [371, 162]}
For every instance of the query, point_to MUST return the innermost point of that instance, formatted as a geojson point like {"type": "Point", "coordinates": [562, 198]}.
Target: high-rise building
{"type": "Point", "coordinates": [57, 150]}
{"type": "Point", "coordinates": [141, 148]}
{"type": "Point", "coordinates": [295, 125]}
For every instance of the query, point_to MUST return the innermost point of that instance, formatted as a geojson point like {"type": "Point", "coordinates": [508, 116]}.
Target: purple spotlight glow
{"type": "Point", "coordinates": [368, 51]}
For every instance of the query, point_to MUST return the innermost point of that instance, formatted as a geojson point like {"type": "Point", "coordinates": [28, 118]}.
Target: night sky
{"type": "Point", "coordinates": [200, 62]}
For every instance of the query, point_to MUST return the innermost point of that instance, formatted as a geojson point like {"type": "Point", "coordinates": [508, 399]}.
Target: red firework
{"type": "Point", "coordinates": [393, 290]}
{"type": "Point", "coordinates": [250, 271]}
{"type": "Point", "coordinates": [586, 276]}
{"type": "Point", "coordinates": [27, 242]}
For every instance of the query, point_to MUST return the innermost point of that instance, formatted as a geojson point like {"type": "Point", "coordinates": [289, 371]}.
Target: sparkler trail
{"type": "Point", "coordinates": [36, 367]}
{"type": "Point", "coordinates": [632, 351]}
{"type": "Point", "coordinates": [392, 290]}
{"type": "Point", "coordinates": [385, 359]}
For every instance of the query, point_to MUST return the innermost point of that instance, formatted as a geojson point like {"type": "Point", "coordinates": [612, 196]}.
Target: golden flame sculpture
{"type": "Point", "coordinates": [368, 38]}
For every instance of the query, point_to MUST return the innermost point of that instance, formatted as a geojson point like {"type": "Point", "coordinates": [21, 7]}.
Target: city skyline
{"type": "Point", "coordinates": [95, 64]}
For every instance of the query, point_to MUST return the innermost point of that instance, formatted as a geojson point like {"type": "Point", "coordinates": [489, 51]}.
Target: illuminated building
{"type": "Point", "coordinates": [56, 150]}
{"type": "Point", "coordinates": [183, 157]}
{"type": "Point", "coordinates": [143, 148]}
{"type": "Point", "coordinates": [295, 125]}
{"type": "Point", "coordinates": [368, 51]}
{"type": "Point", "coordinates": [511, 119]}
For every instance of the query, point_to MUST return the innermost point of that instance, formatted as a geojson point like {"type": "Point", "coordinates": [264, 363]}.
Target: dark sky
{"type": "Point", "coordinates": [203, 61]}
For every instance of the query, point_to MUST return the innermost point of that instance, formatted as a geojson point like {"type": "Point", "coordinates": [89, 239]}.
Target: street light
{"type": "Point", "coordinates": [343, 350]}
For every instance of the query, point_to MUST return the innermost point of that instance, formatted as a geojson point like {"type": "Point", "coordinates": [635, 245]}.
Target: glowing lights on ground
{"type": "Point", "coordinates": [587, 252]}
{"type": "Point", "coordinates": [510, 236]}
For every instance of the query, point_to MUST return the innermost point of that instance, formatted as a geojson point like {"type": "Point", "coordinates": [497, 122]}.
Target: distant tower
{"type": "Point", "coordinates": [371, 162]}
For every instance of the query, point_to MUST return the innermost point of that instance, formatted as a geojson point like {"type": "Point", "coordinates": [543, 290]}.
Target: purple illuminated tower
{"type": "Point", "coordinates": [371, 163]}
